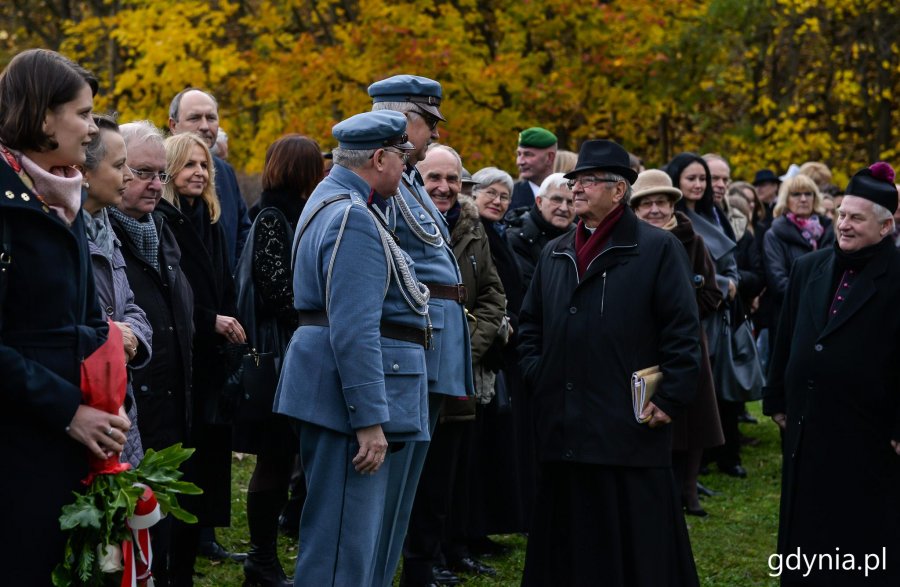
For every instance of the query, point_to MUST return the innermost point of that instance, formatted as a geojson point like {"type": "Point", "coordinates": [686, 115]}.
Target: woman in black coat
{"type": "Point", "coordinates": [49, 315]}
{"type": "Point", "coordinates": [192, 211]}
{"type": "Point", "coordinates": [294, 166]}
{"type": "Point", "coordinates": [800, 227]}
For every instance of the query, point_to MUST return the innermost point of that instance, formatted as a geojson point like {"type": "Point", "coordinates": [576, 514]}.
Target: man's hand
{"type": "Point", "coordinates": [780, 419]}
{"type": "Point", "coordinates": [372, 449]}
{"type": "Point", "coordinates": [896, 446]}
{"type": "Point", "coordinates": [654, 416]}
{"type": "Point", "coordinates": [101, 432]}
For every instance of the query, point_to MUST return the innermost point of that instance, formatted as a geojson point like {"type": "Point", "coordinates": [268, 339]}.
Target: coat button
{"type": "Point", "coordinates": [569, 386]}
{"type": "Point", "coordinates": [395, 367]}
{"type": "Point", "coordinates": [818, 348]}
{"type": "Point", "coordinates": [171, 329]}
{"type": "Point", "coordinates": [351, 408]}
{"type": "Point", "coordinates": [573, 310]}
{"type": "Point", "coordinates": [568, 454]}
{"type": "Point", "coordinates": [169, 267]}
{"type": "Point", "coordinates": [169, 392]}
{"type": "Point", "coordinates": [421, 216]}
{"type": "Point", "coordinates": [144, 388]}
{"type": "Point", "coordinates": [109, 310]}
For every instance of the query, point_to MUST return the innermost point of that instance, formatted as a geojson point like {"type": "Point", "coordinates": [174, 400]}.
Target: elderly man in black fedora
{"type": "Point", "coordinates": [608, 299]}
{"type": "Point", "coordinates": [834, 389]}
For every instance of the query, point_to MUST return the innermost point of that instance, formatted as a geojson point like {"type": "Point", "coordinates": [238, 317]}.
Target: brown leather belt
{"type": "Point", "coordinates": [388, 329]}
{"type": "Point", "coordinates": [457, 292]}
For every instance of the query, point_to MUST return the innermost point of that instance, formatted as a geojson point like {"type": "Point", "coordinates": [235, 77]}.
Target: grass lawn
{"type": "Point", "coordinates": [731, 545]}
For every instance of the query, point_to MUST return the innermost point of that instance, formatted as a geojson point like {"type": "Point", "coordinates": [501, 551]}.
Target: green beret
{"type": "Point", "coordinates": [537, 137]}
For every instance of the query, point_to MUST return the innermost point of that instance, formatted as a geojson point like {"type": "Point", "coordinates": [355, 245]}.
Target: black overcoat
{"type": "Point", "coordinates": [50, 319]}
{"type": "Point", "coordinates": [162, 387]}
{"type": "Point", "coordinates": [580, 341]}
{"type": "Point", "coordinates": [838, 382]}
{"type": "Point", "coordinates": [207, 270]}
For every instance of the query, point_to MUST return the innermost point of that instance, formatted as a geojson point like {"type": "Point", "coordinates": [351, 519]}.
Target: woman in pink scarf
{"type": "Point", "coordinates": [50, 319]}
{"type": "Point", "coordinates": [800, 227]}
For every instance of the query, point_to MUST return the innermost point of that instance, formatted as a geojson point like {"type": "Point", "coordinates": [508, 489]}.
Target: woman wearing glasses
{"type": "Point", "coordinates": [193, 216]}
{"type": "Point", "coordinates": [106, 177]}
{"type": "Point", "coordinates": [800, 226]}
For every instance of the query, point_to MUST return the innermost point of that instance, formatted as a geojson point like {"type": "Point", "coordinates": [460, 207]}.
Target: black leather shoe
{"type": "Point", "coordinates": [746, 418]}
{"type": "Point", "coordinates": [699, 512]}
{"type": "Point", "coordinates": [735, 471]}
{"type": "Point", "coordinates": [706, 491]}
{"type": "Point", "coordinates": [472, 566]}
{"type": "Point", "coordinates": [444, 576]}
{"type": "Point", "coordinates": [215, 551]}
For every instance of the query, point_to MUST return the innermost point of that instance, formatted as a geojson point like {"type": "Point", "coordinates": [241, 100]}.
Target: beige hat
{"type": "Point", "coordinates": [653, 181]}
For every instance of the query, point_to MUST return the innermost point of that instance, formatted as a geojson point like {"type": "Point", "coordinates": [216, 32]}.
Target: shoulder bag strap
{"type": "Point", "coordinates": [309, 218]}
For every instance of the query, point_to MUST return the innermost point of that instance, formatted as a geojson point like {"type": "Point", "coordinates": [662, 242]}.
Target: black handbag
{"type": "Point", "coordinates": [260, 364]}
{"type": "Point", "coordinates": [258, 382]}
{"type": "Point", "coordinates": [737, 371]}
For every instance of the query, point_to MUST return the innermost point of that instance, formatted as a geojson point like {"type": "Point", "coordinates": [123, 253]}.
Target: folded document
{"type": "Point", "coordinates": [644, 384]}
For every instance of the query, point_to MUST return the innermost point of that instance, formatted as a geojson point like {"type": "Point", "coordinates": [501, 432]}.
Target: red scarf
{"type": "Point", "coordinates": [587, 245]}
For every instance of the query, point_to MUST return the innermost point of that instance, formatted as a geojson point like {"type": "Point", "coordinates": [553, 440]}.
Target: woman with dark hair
{"type": "Point", "coordinates": [191, 208]}
{"type": "Point", "coordinates": [294, 167]}
{"type": "Point", "coordinates": [690, 173]}
{"type": "Point", "coordinates": [106, 176]}
{"type": "Point", "coordinates": [49, 316]}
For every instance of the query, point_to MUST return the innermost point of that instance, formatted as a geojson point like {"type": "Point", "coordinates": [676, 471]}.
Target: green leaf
{"type": "Point", "coordinates": [83, 513]}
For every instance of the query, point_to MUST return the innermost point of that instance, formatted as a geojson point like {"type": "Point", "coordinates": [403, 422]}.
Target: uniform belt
{"type": "Point", "coordinates": [388, 329]}
{"type": "Point", "coordinates": [457, 292]}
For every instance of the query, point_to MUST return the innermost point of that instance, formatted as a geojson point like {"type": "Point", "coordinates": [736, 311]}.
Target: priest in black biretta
{"type": "Point", "coordinates": [834, 388]}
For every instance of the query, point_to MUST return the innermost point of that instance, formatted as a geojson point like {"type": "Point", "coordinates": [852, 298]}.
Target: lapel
{"type": "Point", "coordinates": [819, 294]}
{"type": "Point", "coordinates": [17, 195]}
{"type": "Point", "coordinates": [863, 289]}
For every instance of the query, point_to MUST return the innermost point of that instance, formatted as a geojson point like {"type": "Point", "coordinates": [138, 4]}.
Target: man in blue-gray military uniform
{"type": "Point", "coordinates": [422, 232]}
{"type": "Point", "coordinates": [354, 371]}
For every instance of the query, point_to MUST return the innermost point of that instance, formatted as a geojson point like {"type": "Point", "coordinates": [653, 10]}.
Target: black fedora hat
{"type": "Point", "coordinates": [603, 155]}
{"type": "Point", "coordinates": [765, 175]}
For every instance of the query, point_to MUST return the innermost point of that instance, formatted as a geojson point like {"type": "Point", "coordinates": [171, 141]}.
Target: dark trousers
{"type": "Point", "coordinates": [428, 521]}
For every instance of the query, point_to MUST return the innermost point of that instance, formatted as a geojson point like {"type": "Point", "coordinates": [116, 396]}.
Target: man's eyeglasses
{"type": "Point", "coordinates": [802, 195]}
{"type": "Point", "coordinates": [404, 156]}
{"type": "Point", "coordinates": [559, 201]}
{"type": "Point", "coordinates": [589, 180]}
{"type": "Point", "coordinates": [493, 195]}
{"type": "Point", "coordinates": [148, 175]}
{"type": "Point", "coordinates": [431, 121]}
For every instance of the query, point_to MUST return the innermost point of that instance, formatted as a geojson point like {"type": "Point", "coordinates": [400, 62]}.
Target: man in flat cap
{"type": "Point", "coordinates": [608, 299]}
{"type": "Point", "coordinates": [534, 158]}
{"type": "Point", "coordinates": [834, 388]}
{"type": "Point", "coordinates": [354, 372]}
{"type": "Point", "coordinates": [422, 232]}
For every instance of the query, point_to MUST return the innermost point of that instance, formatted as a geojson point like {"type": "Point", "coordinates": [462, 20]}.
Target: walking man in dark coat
{"type": "Point", "coordinates": [610, 298]}
{"type": "Point", "coordinates": [834, 388]}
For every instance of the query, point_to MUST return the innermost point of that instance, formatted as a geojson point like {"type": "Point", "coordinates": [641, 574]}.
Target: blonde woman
{"type": "Point", "coordinates": [800, 226]}
{"type": "Point", "coordinates": [191, 209]}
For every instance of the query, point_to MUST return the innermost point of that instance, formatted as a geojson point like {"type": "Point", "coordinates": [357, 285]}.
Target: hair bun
{"type": "Point", "coordinates": [882, 171]}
